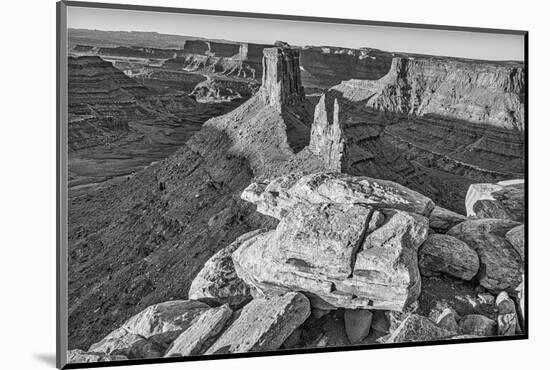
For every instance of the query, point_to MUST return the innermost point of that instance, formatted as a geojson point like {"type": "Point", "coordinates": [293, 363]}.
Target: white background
{"type": "Point", "coordinates": [27, 203]}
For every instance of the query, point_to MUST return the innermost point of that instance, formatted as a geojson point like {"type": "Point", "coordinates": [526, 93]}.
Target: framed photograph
{"type": "Point", "coordinates": [237, 184]}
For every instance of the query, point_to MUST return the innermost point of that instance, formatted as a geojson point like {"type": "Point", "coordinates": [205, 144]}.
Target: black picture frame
{"type": "Point", "coordinates": [61, 183]}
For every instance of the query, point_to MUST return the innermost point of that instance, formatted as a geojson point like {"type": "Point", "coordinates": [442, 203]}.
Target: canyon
{"type": "Point", "coordinates": [179, 147]}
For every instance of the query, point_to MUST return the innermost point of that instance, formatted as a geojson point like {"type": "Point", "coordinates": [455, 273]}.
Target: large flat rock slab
{"type": "Point", "coordinates": [280, 195]}
{"type": "Point", "coordinates": [194, 340]}
{"type": "Point", "coordinates": [165, 321]}
{"type": "Point", "coordinates": [263, 325]}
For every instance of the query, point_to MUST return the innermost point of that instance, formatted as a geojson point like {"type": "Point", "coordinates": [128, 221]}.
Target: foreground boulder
{"type": "Point", "coordinates": [358, 323]}
{"type": "Point", "coordinates": [503, 200]}
{"type": "Point", "coordinates": [339, 255]}
{"type": "Point", "coordinates": [194, 340]}
{"type": "Point", "coordinates": [279, 196]}
{"type": "Point", "coordinates": [165, 321]}
{"type": "Point", "coordinates": [447, 319]}
{"type": "Point", "coordinates": [263, 325]}
{"type": "Point", "coordinates": [478, 325]}
{"type": "Point", "coordinates": [447, 254]}
{"type": "Point", "coordinates": [501, 266]}
{"type": "Point", "coordinates": [520, 303]}
{"type": "Point", "coordinates": [78, 356]}
{"type": "Point", "coordinates": [416, 328]}
{"type": "Point", "coordinates": [442, 219]}
{"type": "Point", "coordinates": [507, 319]}
{"type": "Point", "coordinates": [516, 237]}
{"type": "Point", "coordinates": [217, 283]}
{"type": "Point", "coordinates": [144, 348]}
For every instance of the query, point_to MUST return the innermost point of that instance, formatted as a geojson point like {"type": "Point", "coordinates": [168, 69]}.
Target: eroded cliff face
{"type": "Point", "coordinates": [328, 66]}
{"type": "Point", "coordinates": [478, 92]}
{"type": "Point", "coordinates": [281, 83]}
{"type": "Point", "coordinates": [322, 67]}
{"type": "Point", "coordinates": [435, 127]}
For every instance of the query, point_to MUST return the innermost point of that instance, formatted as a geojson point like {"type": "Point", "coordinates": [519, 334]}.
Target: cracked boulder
{"type": "Point", "coordinates": [282, 194]}
{"type": "Point", "coordinates": [340, 255]}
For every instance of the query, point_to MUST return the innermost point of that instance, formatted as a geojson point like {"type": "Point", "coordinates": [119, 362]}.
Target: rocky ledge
{"type": "Point", "coordinates": [352, 260]}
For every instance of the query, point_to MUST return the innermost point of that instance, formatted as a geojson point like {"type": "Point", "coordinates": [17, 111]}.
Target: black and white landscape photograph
{"type": "Point", "coordinates": [248, 185]}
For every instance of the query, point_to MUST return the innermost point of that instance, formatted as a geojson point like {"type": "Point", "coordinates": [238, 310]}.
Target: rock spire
{"type": "Point", "coordinates": [281, 82]}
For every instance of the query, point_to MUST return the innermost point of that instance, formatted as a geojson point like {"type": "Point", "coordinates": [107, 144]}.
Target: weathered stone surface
{"type": "Point", "coordinates": [282, 194]}
{"type": "Point", "coordinates": [447, 254]}
{"type": "Point", "coordinates": [319, 250]}
{"type": "Point", "coordinates": [478, 325]}
{"type": "Point", "coordinates": [500, 265]}
{"type": "Point", "coordinates": [264, 324]}
{"type": "Point", "coordinates": [293, 339]}
{"type": "Point", "coordinates": [503, 200]}
{"type": "Point", "coordinates": [165, 321]}
{"type": "Point", "coordinates": [318, 313]}
{"type": "Point", "coordinates": [217, 283]}
{"type": "Point", "coordinates": [144, 348]}
{"type": "Point", "coordinates": [448, 320]}
{"type": "Point", "coordinates": [193, 340]}
{"type": "Point", "coordinates": [520, 301]}
{"type": "Point", "coordinates": [507, 318]}
{"type": "Point", "coordinates": [328, 331]}
{"type": "Point", "coordinates": [358, 324]}
{"type": "Point", "coordinates": [442, 219]}
{"type": "Point", "coordinates": [325, 238]}
{"type": "Point", "coordinates": [118, 339]}
{"type": "Point", "coordinates": [169, 318]}
{"type": "Point", "coordinates": [78, 356]}
{"type": "Point", "coordinates": [516, 237]}
{"type": "Point", "coordinates": [444, 292]}
{"type": "Point", "coordinates": [416, 328]}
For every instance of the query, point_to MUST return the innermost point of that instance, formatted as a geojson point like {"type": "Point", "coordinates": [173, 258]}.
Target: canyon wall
{"type": "Point", "coordinates": [322, 67]}
{"type": "Point", "coordinates": [435, 127]}
{"type": "Point", "coordinates": [479, 92]}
